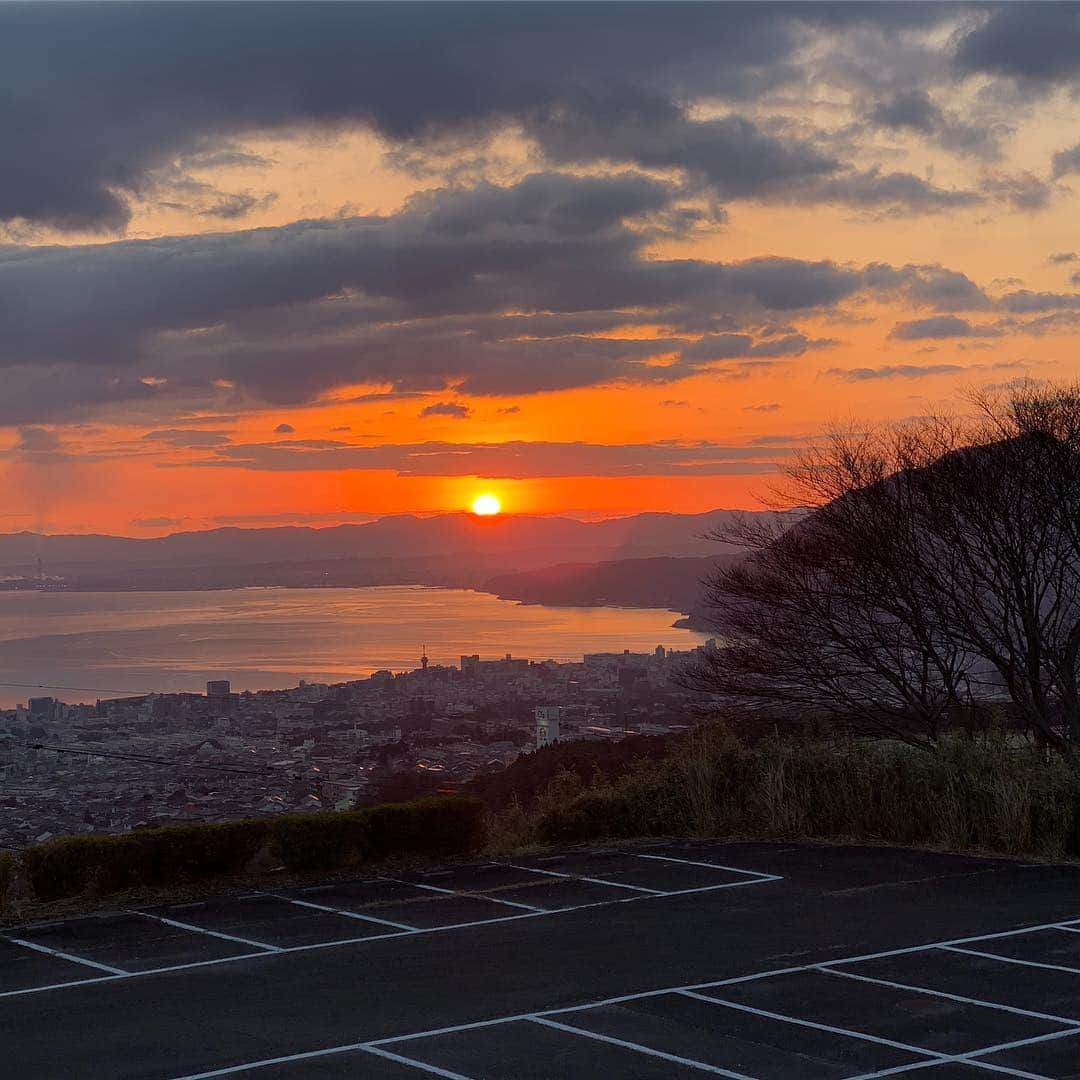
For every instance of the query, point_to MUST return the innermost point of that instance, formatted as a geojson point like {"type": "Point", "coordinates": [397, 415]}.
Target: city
{"type": "Point", "coordinates": [131, 762]}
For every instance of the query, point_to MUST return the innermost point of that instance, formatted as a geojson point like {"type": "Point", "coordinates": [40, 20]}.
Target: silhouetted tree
{"type": "Point", "coordinates": [937, 567]}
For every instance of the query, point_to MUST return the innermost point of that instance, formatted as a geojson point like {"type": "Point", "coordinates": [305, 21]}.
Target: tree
{"type": "Point", "coordinates": [938, 567]}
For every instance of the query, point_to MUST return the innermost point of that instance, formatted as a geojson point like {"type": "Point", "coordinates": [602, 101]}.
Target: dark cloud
{"type": "Point", "coordinates": [1066, 161]}
{"type": "Point", "coordinates": [768, 407]}
{"type": "Point", "coordinates": [509, 459]}
{"type": "Point", "coordinates": [1062, 257]}
{"type": "Point", "coordinates": [1035, 43]}
{"type": "Point", "coordinates": [940, 326]}
{"type": "Point", "coordinates": [894, 371]}
{"type": "Point", "coordinates": [911, 109]}
{"type": "Point", "coordinates": [37, 439]}
{"type": "Point", "coordinates": [445, 408]}
{"type": "Point", "coordinates": [1022, 190]}
{"type": "Point", "coordinates": [157, 522]}
{"type": "Point", "coordinates": [1026, 302]}
{"type": "Point", "coordinates": [181, 437]}
{"type": "Point", "coordinates": [284, 429]}
{"type": "Point", "coordinates": [510, 410]}
{"type": "Point", "coordinates": [489, 290]}
{"type": "Point", "coordinates": [737, 346]}
{"type": "Point", "coordinates": [914, 110]}
{"type": "Point", "coordinates": [135, 89]}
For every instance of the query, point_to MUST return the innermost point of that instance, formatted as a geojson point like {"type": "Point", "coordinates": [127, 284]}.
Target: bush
{"type": "Point", "coordinates": [453, 825]}
{"type": "Point", "coordinates": [188, 854]}
{"type": "Point", "coordinates": [8, 868]}
{"type": "Point", "coordinates": [321, 841]}
{"type": "Point", "coordinates": [966, 794]}
{"type": "Point", "coordinates": [75, 865]}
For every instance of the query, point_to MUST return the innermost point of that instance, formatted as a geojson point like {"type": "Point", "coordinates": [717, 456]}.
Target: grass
{"type": "Point", "coordinates": [966, 796]}
{"type": "Point", "coordinates": [976, 795]}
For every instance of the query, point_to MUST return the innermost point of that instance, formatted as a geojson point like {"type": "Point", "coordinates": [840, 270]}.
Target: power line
{"type": "Point", "coordinates": [90, 689]}
{"type": "Point", "coordinates": [148, 760]}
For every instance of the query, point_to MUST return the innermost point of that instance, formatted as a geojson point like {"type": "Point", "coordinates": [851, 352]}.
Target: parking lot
{"type": "Point", "coordinates": [748, 961]}
{"type": "Point", "coordinates": [155, 941]}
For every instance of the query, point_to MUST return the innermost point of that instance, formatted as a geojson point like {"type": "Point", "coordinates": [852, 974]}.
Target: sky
{"type": "Point", "coordinates": [307, 264]}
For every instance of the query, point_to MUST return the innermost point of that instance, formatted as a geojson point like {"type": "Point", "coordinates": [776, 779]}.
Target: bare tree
{"type": "Point", "coordinates": [939, 567]}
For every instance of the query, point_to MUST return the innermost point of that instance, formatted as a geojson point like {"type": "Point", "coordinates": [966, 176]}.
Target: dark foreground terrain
{"type": "Point", "coordinates": [737, 960]}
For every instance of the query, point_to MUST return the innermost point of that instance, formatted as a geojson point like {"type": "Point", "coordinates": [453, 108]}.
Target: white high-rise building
{"type": "Point", "coordinates": [547, 725]}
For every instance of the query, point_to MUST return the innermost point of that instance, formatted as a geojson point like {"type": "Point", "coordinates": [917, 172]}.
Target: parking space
{"type": "Point", "coordinates": [950, 1009]}
{"type": "Point", "coordinates": [943, 1010]}
{"type": "Point", "coordinates": [154, 940]}
{"type": "Point", "coordinates": [758, 1000]}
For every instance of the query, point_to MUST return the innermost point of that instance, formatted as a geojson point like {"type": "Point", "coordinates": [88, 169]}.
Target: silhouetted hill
{"type": "Point", "coordinates": [674, 583]}
{"type": "Point", "coordinates": [443, 549]}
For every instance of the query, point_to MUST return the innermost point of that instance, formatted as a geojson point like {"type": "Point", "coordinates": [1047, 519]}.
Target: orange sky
{"type": "Point", "coordinates": [188, 457]}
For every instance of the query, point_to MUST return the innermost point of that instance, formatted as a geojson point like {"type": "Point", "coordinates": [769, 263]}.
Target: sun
{"type": "Point", "coordinates": [486, 505]}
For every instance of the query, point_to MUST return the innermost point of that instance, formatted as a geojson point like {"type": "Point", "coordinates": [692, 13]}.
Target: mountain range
{"type": "Point", "coordinates": [651, 559]}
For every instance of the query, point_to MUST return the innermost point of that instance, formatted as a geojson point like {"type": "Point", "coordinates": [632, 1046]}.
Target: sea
{"type": "Point", "coordinates": [82, 646]}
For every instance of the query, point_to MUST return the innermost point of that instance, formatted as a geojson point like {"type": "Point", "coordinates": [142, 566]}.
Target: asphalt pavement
{"type": "Point", "coordinates": [672, 960]}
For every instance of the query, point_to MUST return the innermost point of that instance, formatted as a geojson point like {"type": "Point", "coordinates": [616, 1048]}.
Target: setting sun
{"type": "Point", "coordinates": [485, 505]}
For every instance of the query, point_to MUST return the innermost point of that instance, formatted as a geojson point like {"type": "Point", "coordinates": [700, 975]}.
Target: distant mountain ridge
{"type": "Point", "coordinates": [665, 582]}
{"type": "Point", "coordinates": [399, 537]}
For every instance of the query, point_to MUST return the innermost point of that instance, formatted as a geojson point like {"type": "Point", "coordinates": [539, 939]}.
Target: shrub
{"type": "Point", "coordinates": [436, 826]}
{"type": "Point", "coordinates": [321, 841]}
{"type": "Point", "coordinates": [8, 868]}
{"type": "Point", "coordinates": [74, 865]}
{"type": "Point", "coordinates": [589, 816]}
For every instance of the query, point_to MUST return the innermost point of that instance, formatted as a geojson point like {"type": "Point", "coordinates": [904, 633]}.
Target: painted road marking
{"type": "Point", "coordinates": [68, 956]}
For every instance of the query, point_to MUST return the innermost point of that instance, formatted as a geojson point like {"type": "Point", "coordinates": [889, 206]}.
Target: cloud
{"type": "Point", "coordinates": [157, 522]}
{"type": "Point", "coordinates": [713, 347]}
{"type": "Point", "coordinates": [508, 459]}
{"type": "Point", "coordinates": [940, 326]}
{"type": "Point", "coordinates": [1037, 44]}
{"type": "Point", "coordinates": [445, 408]}
{"type": "Point", "coordinates": [768, 407]}
{"type": "Point", "coordinates": [185, 437]}
{"type": "Point", "coordinates": [37, 439]}
{"type": "Point", "coordinates": [894, 371]}
{"type": "Point", "coordinates": [182, 82]}
{"type": "Point", "coordinates": [291, 518]}
{"type": "Point", "coordinates": [913, 110]}
{"type": "Point", "coordinates": [284, 429]}
{"type": "Point", "coordinates": [494, 290]}
{"type": "Point", "coordinates": [1024, 301]}
{"type": "Point", "coordinates": [1066, 161]}
{"type": "Point", "coordinates": [1063, 257]}
{"type": "Point", "coordinates": [1022, 190]}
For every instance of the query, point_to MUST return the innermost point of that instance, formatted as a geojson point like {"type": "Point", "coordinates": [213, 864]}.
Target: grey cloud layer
{"type": "Point", "coordinates": [509, 459]}
{"type": "Point", "coordinates": [492, 290]}
{"type": "Point", "coordinates": [99, 98]}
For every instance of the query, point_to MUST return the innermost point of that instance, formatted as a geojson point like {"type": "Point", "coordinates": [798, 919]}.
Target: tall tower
{"type": "Point", "coordinates": [423, 658]}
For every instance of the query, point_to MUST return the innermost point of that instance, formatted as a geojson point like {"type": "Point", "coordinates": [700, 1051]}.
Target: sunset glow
{"type": "Point", "coordinates": [291, 308]}
{"type": "Point", "coordinates": [486, 505]}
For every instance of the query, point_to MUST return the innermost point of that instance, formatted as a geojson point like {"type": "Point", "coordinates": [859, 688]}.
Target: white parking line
{"type": "Point", "coordinates": [591, 880]}
{"type": "Point", "coordinates": [208, 933]}
{"type": "Point", "coordinates": [931, 1058]}
{"type": "Point", "coordinates": [1010, 959]}
{"type": "Point", "coordinates": [473, 896]}
{"type": "Point", "coordinates": [1067, 1020]}
{"type": "Point", "coordinates": [423, 1066]}
{"type": "Point", "coordinates": [341, 911]}
{"type": "Point", "coordinates": [68, 956]}
{"type": "Point", "coordinates": [638, 1048]}
{"type": "Point", "coordinates": [710, 865]}
{"type": "Point", "coordinates": [799, 1022]}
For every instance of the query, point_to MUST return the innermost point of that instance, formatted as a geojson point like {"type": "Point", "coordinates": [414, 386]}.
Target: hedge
{"type": "Point", "coordinates": [8, 867]}
{"type": "Point", "coordinates": [189, 854]}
